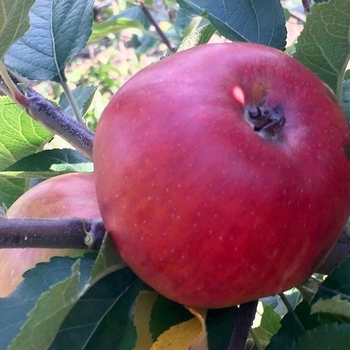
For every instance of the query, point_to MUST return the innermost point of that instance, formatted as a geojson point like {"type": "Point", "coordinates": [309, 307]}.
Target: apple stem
{"type": "Point", "coordinates": [268, 122]}
{"type": "Point", "coordinates": [292, 311]}
{"type": "Point", "coordinates": [73, 233]}
{"type": "Point", "coordinates": [244, 320]}
{"type": "Point", "coordinates": [72, 102]}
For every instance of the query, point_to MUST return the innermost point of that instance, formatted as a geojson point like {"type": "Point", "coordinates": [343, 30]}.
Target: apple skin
{"type": "Point", "coordinates": [69, 195]}
{"type": "Point", "coordinates": [207, 211]}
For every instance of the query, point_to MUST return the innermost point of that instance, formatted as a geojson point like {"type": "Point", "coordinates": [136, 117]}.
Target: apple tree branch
{"type": "Point", "coordinates": [49, 115]}
{"type": "Point", "coordinates": [244, 320]}
{"type": "Point", "coordinates": [62, 233]}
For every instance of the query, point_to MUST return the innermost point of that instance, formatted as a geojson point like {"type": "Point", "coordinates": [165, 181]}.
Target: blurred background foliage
{"type": "Point", "coordinates": [123, 41]}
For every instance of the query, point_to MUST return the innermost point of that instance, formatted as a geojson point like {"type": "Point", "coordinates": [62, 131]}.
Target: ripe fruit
{"type": "Point", "coordinates": [223, 173]}
{"type": "Point", "coordinates": [70, 195]}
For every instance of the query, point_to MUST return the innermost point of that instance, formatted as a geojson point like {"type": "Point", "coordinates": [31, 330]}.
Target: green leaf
{"type": "Point", "coordinates": [220, 323]}
{"type": "Point", "coordinates": [108, 260]}
{"type": "Point", "coordinates": [117, 330]}
{"type": "Point", "coordinates": [324, 44]}
{"type": "Point", "coordinates": [278, 305]}
{"type": "Point", "coordinates": [345, 100]}
{"type": "Point", "coordinates": [14, 22]}
{"type": "Point", "coordinates": [20, 134]}
{"type": "Point", "coordinates": [49, 163]}
{"type": "Point", "coordinates": [253, 21]}
{"type": "Point", "coordinates": [60, 306]}
{"type": "Point", "coordinates": [166, 313]}
{"type": "Point", "coordinates": [145, 43]}
{"type": "Point", "coordinates": [133, 13]}
{"type": "Point", "coordinates": [20, 137]}
{"type": "Point", "coordinates": [183, 24]}
{"type": "Point", "coordinates": [338, 282]}
{"type": "Point", "coordinates": [94, 306]}
{"type": "Point", "coordinates": [46, 292]}
{"type": "Point", "coordinates": [130, 18]}
{"type": "Point", "coordinates": [286, 14]}
{"type": "Point", "coordinates": [10, 190]}
{"type": "Point", "coordinates": [270, 321]}
{"type": "Point", "coordinates": [334, 306]}
{"type": "Point", "coordinates": [199, 36]}
{"type": "Point", "coordinates": [326, 337]}
{"type": "Point", "coordinates": [101, 30]}
{"type": "Point", "coordinates": [83, 96]}
{"type": "Point", "coordinates": [63, 27]}
{"type": "Point", "coordinates": [347, 74]}
{"type": "Point", "coordinates": [293, 326]}
{"type": "Point", "coordinates": [106, 307]}
{"type": "Point", "coordinates": [48, 313]}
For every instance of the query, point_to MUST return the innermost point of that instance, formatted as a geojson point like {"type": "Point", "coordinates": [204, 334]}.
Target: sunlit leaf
{"type": "Point", "coordinates": [142, 315]}
{"type": "Point", "coordinates": [131, 18]}
{"type": "Point", "coordinates": [324, 44]}
{"type": "Point", "coordinates": [48, 163]}
{"type": "Point", "coordinates": [335, 306]}
{"type": "Point", "coordinates": [199, 36]}
{"type": "Point", "coordinates": [20, 137]}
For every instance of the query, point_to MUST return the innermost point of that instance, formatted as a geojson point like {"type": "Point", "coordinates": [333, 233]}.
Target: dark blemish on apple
{"type": "Point", "coordinates": [347, 150]}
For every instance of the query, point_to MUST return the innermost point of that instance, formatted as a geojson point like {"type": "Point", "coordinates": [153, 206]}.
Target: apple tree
{"type": "Point", "coordinates": [94, 254]}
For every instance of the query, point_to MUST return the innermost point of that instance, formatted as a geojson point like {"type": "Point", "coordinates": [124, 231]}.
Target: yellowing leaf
{"type": "Point", "coordinates": [189, 335]}
{"type": "Point", "coordinates": [142, 316]}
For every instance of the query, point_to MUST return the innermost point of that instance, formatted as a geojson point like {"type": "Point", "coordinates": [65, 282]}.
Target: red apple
{"type": "Point", "coordinates": [70, 195]}
{"type": "Point", "coordinates": [223, 173]}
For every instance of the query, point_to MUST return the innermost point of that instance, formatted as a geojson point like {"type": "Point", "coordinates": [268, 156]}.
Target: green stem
{"type": "Point", "coordinates": [9, 88]}
{"type": "Point", "coordinates": [291, 310]}
{"type": "Point", "coordinates": [256, 340]}
{"type": "Point", "coordinates": [72, 102]}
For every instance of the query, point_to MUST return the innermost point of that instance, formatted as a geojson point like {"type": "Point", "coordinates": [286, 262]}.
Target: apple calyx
{"type": "Point", "coordinates": [266, 121]}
